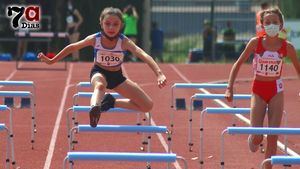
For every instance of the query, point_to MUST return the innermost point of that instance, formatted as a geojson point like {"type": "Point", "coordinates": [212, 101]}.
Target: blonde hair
{"type": "Point", "coordinates": [271, 11]}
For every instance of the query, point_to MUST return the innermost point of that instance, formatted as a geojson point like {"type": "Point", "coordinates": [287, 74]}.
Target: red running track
{"type": "Point", "coordinates": [54, 91]}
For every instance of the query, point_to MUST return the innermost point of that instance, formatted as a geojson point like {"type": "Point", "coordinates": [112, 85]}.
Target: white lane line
{"type": "Point", "coordinates": [241, 117]}
{"type": "Point", "coordinates": [10, 76]}
{"type": "Point", "coordinates": [159, 135]}
{"type": "Point", "coordinates": [58, 119]}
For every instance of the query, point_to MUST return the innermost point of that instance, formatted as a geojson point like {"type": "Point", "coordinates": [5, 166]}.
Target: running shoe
{"type": "Point", "coordinates": [95, 113]}
{"type": "Point", "coordinates": [107, 102]}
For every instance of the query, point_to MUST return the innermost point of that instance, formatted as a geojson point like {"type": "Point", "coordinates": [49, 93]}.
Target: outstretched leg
{"type": "Point", "coordinates": [257, 115]}
{"type": "Point", "coordinates": [274, 119]}
{"type": "Point", "coordinates": [137, 99]}
{"type": "Point", "coordinates": [99, 84]}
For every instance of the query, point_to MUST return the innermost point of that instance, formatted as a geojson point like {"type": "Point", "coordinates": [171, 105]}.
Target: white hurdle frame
{"type": "Point", "coordinates": [86, 109]}
{"type": "Point", "coordinates": [25, 94]}
{"type": "Point", "coordinates": [199, 96]}
{"type": "Point", "coordinates": [282, 160]}
{"type": "Point", "coordinates": [89, 95]}
{"type": "Point", "coordinates": [215, 110]}
{"type": "Point", "coordinates": [256, 131]}
{"type": "Point", "coordinates": [10, 140]}
{"type": "Point", "coordinates": [191, 86]}
{"type": "Point", "coordinates": [122, 156]}
{"type": "Point", "coordinates": [123, 128]}
{"type": "Point", "coordinates": [116, 95]}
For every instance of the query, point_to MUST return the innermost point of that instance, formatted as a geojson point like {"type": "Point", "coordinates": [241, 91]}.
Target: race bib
{"type": "Point", "coordinates": [107, 58]}
{"type": "Point", "coordinates": [268, 67]}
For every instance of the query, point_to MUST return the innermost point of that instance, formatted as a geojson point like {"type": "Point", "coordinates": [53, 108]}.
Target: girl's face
{"type": "Point", "coordinates": [111, 25]}
{"type": "Point", "coordinates": [271, 18]}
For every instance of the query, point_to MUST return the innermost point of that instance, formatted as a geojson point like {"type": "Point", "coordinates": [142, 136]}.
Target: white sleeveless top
{"type": "Point", "coordinates": [108, 57]}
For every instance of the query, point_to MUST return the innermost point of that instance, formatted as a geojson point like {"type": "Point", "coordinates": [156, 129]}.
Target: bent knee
{"type": "Point", "coordinates": [99, 86]}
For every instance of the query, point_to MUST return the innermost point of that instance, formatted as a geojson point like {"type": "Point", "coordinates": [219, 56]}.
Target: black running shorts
{"type": "Point", "coordinates": [113, 78]}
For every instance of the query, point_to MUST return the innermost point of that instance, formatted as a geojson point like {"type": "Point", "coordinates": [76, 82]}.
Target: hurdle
{"type": "Point", "coordinates": [256, 131]}
{"type": "Point", "coordinates": [9, 131]}
{"type": "Point", "coordinates": [121, 128]}
{"type": "Point", "coordinates": [208, 96]}
{"type": "Point", "coordinates": [19, 84]}
{"type": "Point", "coordinates": [88, 95]}
{"type": "Point", "coordinates": [86, 109]}
{"type": "Point", "coordinates": [191, 86]}
{"type": "Point", "coordinates": [25, 94]}
{"type": "Point", "coordinates": [213, 110]}
{"type": "Point", "coordinates": [122, 156]}
{"type": "Point", "coordinates": [282, 160]}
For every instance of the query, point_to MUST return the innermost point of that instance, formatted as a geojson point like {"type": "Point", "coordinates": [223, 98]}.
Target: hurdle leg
{"type": "Point", "coordinates": [149, 140]}
{"type": "Point", "coordinates": [68, 121]}
{"type": "Point", "coordinates": [146, 139]}
{"type": "Point", "coordinates": [169, 138]}
{"type": "Point", "coordinates": [33, 122]}
{"type": "Point", "coordinates": [262, 166]}
{"type": "Point", "coordinates": [190, 142]}
{"type": "Point", "coordinates": [184, 161]}
{"type": "Point", "coordinates": [8, 150]}
{"type": "Point", "coordinates": [201, 139]}
{"type": "Point", "coordinates": [172, 111]}
{"type": "Point", "coordinates": [222, 149]}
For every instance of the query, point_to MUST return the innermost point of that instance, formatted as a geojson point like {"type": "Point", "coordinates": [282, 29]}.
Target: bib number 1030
{"type": "Point", "coordinates": [107, 58]}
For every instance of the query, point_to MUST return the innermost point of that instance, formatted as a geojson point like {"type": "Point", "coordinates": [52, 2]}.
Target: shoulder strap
{"type": "Point", "coordinates": [259, 47]}
{"type": "Point", "coordinates": [283, 49]}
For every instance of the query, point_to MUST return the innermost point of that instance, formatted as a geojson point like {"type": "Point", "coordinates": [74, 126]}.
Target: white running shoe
{"type": "Point", "coordinates": [253, 148]}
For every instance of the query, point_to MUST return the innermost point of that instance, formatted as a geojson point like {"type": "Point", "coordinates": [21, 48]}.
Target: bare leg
{"type": "Point", "coordinates": [99, 84]}
{"type": "Point", "coordinates": [137, 98]}
{"type": "Point", "coordinates": [258, 112]}
{"type": "Point", "coordinates": [274, 118]}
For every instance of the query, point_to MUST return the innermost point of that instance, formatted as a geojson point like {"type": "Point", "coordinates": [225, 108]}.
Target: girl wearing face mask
{"type": "Point", "coordinates": [109, 48]}
{"type": "Point", "coordinates": [267, 86]}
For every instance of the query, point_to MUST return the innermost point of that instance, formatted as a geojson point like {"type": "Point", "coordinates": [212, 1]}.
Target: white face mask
{"type": "Point", "coordinates": [272, 30]}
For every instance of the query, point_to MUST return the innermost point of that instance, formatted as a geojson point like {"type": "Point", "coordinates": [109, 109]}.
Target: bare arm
{"type": "Point", "coordinates": [88, 41]}
{"type": "Point", "coordinates": [135, 14]}
{"type": "Point", "coordinates": [291, 53]}
{"type": "Point", "coordinates": [79, 16]}
{"type": "Point", "coordinates": [141, 54]}
{"type": "Point", "coordinates": [250, 48]}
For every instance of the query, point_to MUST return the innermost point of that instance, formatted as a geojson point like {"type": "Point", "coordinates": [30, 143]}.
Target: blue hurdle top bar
{"type": "Point", "coordinates": [84, 84]}
{"type": "Point", "coordinates": [263, 130]}
{"type": "Point", "coordinates": [221, 96]}
{"type": "Point", "coordinates": [218, 110]}
{"type": "Point", "coordinates": [285, 160]}
{"type": "Point", "coordinates": [2, 126]}
{"type": "Point", "coordinates": [117, 156]}
{"type": "Point", "coordinates": [15, 93]}
{"type": "Point", "coordinates": [200, 85]}
{"type": "Point", "coordinates": [3, 107]}
{"type": "Point", "coordinates": [123, 128]}
{"type": "Point", "coordinates": [88, 108]}
{"type": "Point", "coordinates": [89, 94]}
{"type": "Point", "coordinates": [16, 83]}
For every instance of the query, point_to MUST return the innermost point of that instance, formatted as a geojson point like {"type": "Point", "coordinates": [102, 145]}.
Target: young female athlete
{"type": "Point", "coordinates": [109, 48]}
{"type": "Point", "coordinates": [267, 89]}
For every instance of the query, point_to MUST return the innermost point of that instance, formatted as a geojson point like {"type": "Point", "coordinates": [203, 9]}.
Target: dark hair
{"type": "Point", "coordinates": [264, 5]}
{"type": "Point", "coordinates": [271, 11]}
{"type": "Point", "coordinates": [111, 11]}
